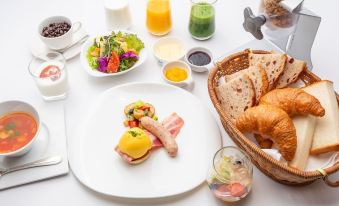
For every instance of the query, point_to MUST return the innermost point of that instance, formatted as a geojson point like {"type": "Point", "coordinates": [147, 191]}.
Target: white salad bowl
{"type": "Point", "coordinates": [95, 73]}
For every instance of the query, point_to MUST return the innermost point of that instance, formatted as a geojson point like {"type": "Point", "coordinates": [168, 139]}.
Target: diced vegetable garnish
{"type": "Point", "coordinates": [155, 117]}
{"type": "Point", "coordinates": [133, 123]}
{"type": "Point", "coordinates": [144, 107]}
{"type": "Point", "coordinates": [126, 123]}
{"type": "Point", "coordinates": [139, 104]}
{"type": "Point", "coordinates": [146, 112]}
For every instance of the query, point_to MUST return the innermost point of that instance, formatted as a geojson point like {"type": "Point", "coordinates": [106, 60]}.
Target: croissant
{"type": "Point", "coordinates": [263, 142]}
{"type": "Point", "coordinates": [274, 122]}
{"type": "Point", "coordinates": [293, 101]}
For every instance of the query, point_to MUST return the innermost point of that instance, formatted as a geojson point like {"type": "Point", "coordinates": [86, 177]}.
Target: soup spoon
{"type": "Point", "coordinates": [53, 160]}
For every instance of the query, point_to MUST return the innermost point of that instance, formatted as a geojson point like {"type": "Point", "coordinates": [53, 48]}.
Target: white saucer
{"type": "Point", "coordinates": [37, 47]}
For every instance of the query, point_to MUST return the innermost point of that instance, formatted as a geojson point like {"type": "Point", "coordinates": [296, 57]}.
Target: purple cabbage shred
{"type": "Point", "coordinates": [103, 62]}
{"type": "Point", "coordinates": [129, 54]}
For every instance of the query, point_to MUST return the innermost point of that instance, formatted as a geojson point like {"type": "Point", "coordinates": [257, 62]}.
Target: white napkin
{"type": "Point", "coordinates": [275, 154]}
{"type": "Point", "coordinates": [314, 162]}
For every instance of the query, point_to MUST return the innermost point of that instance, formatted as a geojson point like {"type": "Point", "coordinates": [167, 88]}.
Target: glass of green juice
{"type": "Point", "coordinates": [202, 19]}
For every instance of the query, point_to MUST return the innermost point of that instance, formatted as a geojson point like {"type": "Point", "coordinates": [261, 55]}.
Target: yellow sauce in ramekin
{"type": "Point", "coordinates": [176, 74]}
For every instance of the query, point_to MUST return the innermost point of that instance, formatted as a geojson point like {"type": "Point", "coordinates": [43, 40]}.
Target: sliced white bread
{"type": "Point", "coordinates": [304, 126]}
{"type": "Point", "coordinates": [326, 132]}
{"type": "Point", "coordinates": [273, 64]}
{"type": "Point", "coordinates": [293, 69]}
{"type": "Point", "coordinates": [236, 95]}
{"type": "Point", "coordinates": [258, 76]}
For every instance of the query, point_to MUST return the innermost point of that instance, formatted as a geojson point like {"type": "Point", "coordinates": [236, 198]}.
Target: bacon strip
{"type": "Point", "coordinates": [123, 155]}
{"type": "Point", "coordinates": [156, 143]}
{"type": "Point", "coordinates": [126, 157]}
{"type": "Point", "coordinates": [173, 124]}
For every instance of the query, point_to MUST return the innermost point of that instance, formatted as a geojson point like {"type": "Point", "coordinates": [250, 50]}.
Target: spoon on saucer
{"type": "Point", "coordinates": [53, 160]}
{"type": "Point", "coordinates": [83, 39]}
{"type": "Point", "coordinates": [42, 56]}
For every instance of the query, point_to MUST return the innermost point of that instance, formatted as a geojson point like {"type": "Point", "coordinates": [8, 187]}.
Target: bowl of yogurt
{"type": "Point", "coordinates": [168, 49]}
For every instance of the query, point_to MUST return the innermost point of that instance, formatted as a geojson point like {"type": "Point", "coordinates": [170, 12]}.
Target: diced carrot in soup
{"type": "Point", "coordinates": [20, 128]}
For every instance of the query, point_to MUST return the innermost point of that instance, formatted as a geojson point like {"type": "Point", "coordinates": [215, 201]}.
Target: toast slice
{"type": "Point", "coordinates": [236, 95]}
{"type": "Point", "coordinates": [273, 64]}
{"type": "Point", "coordinates": [326, 132]}
{"type": "Point", "coordinates": [293, 69]}
{"type": "Point", "coordinates": [304, 126]}
{"type": "Point", "coordinates": [259, 79]}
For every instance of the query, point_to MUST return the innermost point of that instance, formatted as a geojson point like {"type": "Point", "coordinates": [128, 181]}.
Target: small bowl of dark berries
{"type": "Point", "coordinates": [57, 31]}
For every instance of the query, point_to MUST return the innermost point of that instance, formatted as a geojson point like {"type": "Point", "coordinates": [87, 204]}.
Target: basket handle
{"type": "Point", "coordinates": [330, 183]}
{"type": "Point", "coordinates": [326, 180]}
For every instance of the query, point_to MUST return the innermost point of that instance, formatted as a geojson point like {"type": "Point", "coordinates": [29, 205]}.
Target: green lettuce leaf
{"type": "Point", "coordinates": [92, 61]}
{"type": "Point", "coordinates": [133, 42]}
{"type": "Point", "coordinates": [126, 63]}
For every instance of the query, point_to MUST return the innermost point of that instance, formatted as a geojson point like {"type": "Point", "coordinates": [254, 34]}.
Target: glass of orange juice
{"type": "Point", "coordinates": [158, 20]}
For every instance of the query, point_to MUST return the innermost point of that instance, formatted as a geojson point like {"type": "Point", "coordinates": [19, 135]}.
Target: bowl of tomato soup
{"type": "Point", "coordinates": [19, 127]}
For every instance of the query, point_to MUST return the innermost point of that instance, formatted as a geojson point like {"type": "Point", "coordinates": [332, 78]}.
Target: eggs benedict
{"type": "Point", "coordinates": [134, 146]}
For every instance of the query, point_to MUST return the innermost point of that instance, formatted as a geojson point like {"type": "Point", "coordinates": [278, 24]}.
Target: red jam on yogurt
{"type": "Point", "coordinates": [51, 71]}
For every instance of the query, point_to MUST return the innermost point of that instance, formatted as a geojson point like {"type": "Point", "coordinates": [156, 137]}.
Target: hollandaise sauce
{"type": "Point", "coordinates": [176, 74]}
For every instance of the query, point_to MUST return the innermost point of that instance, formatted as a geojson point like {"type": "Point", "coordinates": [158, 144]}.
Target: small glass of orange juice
{"type": "Point", "coordinates": [158, 20]}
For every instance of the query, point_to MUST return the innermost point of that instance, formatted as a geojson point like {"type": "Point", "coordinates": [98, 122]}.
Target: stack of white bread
{"type": "Point", "coordinates": [263, 100]}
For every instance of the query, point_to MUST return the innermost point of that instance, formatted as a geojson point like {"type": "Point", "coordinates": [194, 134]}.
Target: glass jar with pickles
{"type": "Point", "coordinates": [230, 177]}
{"type": "Point", "coordinates": [202, 19]}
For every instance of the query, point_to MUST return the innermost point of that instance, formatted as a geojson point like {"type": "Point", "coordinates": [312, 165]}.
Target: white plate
{"type": "Point", "coordinates": [95, 73]}
{"type": "Point", "coordinates": [37, 47]}
{"type": "Point", "coordinates": [96, 164]}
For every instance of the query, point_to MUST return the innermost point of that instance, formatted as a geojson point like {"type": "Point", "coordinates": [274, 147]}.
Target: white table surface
{"type": "Point", "coordinates": [18, 22]}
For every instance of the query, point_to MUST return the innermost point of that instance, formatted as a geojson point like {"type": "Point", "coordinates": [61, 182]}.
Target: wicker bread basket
{"type": "Point", "coordinates": [269, 166]}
